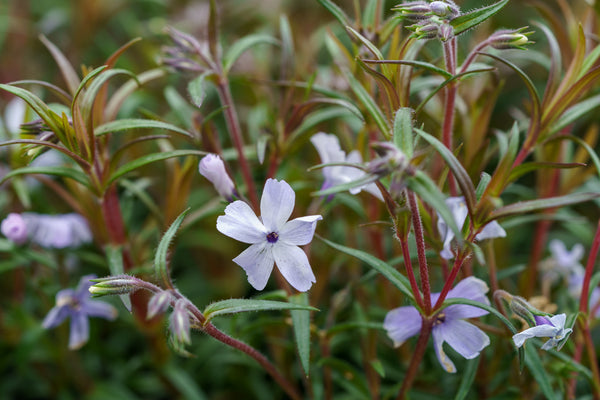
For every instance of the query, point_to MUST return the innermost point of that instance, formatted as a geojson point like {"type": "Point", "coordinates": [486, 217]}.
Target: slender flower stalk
{"type": "Point", "coordinates": [423, 267]}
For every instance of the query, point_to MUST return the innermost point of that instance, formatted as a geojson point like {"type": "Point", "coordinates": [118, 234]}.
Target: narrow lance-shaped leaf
{"type": "Point", "coordinates": [461, 175]}
{"type": "Point", "coordinates": [395, 277]}
{"type": "Point", "coordinates": [372, 48]}
{"type": "Point", "coordinates": [471, 19]}
{"type": "Point", "coordinates": [197, 89]}
{"type": "Point", "coordinates": [161, 262]}
{"type": "Point", "coordinates": [234, 306]}
{"type": "Point", "coordinates": [135, 123]}
{"type": "Point", "coordinates": [336, 11]}
{"type": "Point", "coordinates": [64, 65]}
{"type": "Point", "coordinates": [150, 158]}
{"type": "Point", "coordinates": [403, 132]}
{"type": "Point", "coordinates": [541, 204]}
{"type": "Point", "coordinates": [239, 47]}
{"type": "Point", "coordinates": [65, 172]}
{"type": "Point", "coordinates": [536, 367]}
{"type": "Point", "coordinates": [301, 321]}
{"type": "Point", "coordinates": [522, 169]}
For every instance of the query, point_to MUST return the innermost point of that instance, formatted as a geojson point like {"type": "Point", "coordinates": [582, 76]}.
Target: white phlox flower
{"type": "Point", "coordinates": [330, 151]}
{"type": "Point", "coordinates": [272, 237]}
{"type": "Point", "coordinates": [553, 327]}
{"type": "Point", "coordinates": [459, 211]}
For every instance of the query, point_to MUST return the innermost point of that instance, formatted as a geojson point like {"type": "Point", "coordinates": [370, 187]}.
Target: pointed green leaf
{"type": "Point", "coordinates": [161, 258]}
{"type": "Point", "coordinates": [239, 47]}
{"type": "Point", "coordinates": [461, 175]}
{"type": "Point", "coordinates": [301, 321]}
{"type": "Point", "coordinates": [522, 169]}
{"type": "Point", "coordinates": [574, 113]}
{"type": "Point", "coordinates": [414, 63]}
{"type": "Point", "coordinates": [119, 96]}
{"type": "Point", "coordinates": [336, 11]}
{"type": "Point", "coordinates": [89, 98]}
{"type": "Point", "coordinates": [197, 90]}
{"type": "Point", "coordinates": [468, 378]}
{"type": "Point", "coordinates": [471, 19]}
{"type": "Point", "coordinates": [536, 367]}
{"type": "Point", "coordinates": [65, 172]}
{"type": "Point", "coordinates": [134, 123]}
{"type": "Point", "coordinates": [395, 277]}
{"type": "Point", "coordinates": [372, 48]}
{"type": "Point", "coordinates": [403, 132]}
{"type": "Point", "coordinates": [482, 185]}
{"type": "Point", "coordinates": [541, 204]}
{"type": "Point", "coordinates": [150, 158]}
{"type": "Point", "coordinates": [37, 105]}
{"type": "Point", "coordinates": [234, 306]}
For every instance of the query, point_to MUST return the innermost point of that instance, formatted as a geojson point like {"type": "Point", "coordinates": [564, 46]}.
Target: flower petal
{"type": "Point", "coordinates": [459, 211]}
{"type": "Point", "coordinates": [257, 261]}
{"type": "Point", "coordinates": [100, 309]}
{"type": "Point", "coordinates": [328, 147]}
{"type": "Point", "coordinates": [276, 204]}
{"type": "Point", "coordinates": [536, 331]}
{"type": "Point", "coordinates": [80, 330]}
{"type": "Point", "coordinates": [471, 288]}
{"type": "Point", "coordinates": [490, 231]}
{"type": "Point", "coordinates": [299, 231]}
{"type": "Point", "coordinates": [438, 342]}
{"type": "Point", "coordinates": [465, 338]}
{"type": "Point", "coordinates": [293, 265]}
{"type": "Point", "coordinates": [240, 223]}
{"type": "Point", "coordinates": [56, 316]}
{"type": "Point", "coordinates": [402, 323]}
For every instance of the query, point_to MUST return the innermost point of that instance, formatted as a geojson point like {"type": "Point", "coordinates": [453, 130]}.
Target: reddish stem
{"type": "Point", "coordinates": [589, 269]}
{"type": "Point", "coordinates": [411, 373]}
{"type": "Point", "coordinates": [423, 268]}
{"type": "Point", "coordinates": [410, 273]}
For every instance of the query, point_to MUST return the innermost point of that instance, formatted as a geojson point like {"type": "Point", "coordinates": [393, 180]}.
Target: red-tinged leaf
{"type": "Point", "coordinates": [114, 103]}
{"type": "Point", "coordinates": [64, 96]}
{"type": "Point", "coordinates": [385, 85]}
{"type": "Point", "coordinates": [66, 69]}
{"type": "Point", "coordinates": [522, 169]}
{"type": "Point", "coordinates": [83, 163]}
{"type": "Point", "coordinates": [65, 172]}
{"type": "Point", "coordinates": [523, 207]}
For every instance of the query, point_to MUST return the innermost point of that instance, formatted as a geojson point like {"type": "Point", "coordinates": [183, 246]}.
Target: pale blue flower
{"type": "Point", "coordinates": [330, 151]}
{"type": "Point", "coordinates": [50, 231]}
{"type": "Point", "coordinates": [78, 306]}
{"type": "Point", "coordinates": [273, 238]}
{"type": "Point", "coordinates": [449, 326]}
{"type": "Point", "coordinates": [459, 211]}
{"type": "Point", "coordinates": [553, 328]}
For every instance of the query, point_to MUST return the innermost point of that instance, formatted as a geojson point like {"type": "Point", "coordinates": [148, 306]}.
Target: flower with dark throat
{"type": "Point", "coordinates": [272, 237]}
{"type": "Point", "coordinates": [449, 325]}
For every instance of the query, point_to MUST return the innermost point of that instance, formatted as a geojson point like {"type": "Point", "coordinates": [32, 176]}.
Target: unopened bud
{"type": "Point", "coordinates": [179, 323]}
{"type": "Point", "coordinates": [120, 284]}
{"type": "Point", "coordinates": [443, 9]}
{"type": "Point", "coordinates": [14, 228]}
{"type": "Point", "coordinates": [159, 303]}
{"type": "Point", "coordinates": [522, 308]}
{"type": "Point", "coordinates": [510, 39]}
{"type": "Point", "coordinates": [446, 32]}
{"type": "Point", "coordinates": [416, 10]}
{"type": "Point", "coordinates": [425, 30]}
{"type": "Point", "coordinates": [213, 169]}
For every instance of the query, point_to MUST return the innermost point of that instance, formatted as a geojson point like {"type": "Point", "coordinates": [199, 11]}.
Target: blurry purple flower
{"type": "Point", "coordinates": [273, 238]}
{"type": "Point", "coordinates": [212, 168]}
{"type": "Point", "coordinates": [567, 262]}
{"type": "Point", "coordinates": [553, 327]}
{"type": "Point", "coordinates": [14, 228]}
{"type": "Point", "coordinates": [179, 322]}
{"type": "Point", "coordinates": [466, 339]}
{"type": "Point", "coordinates": [459, 211]}
{"type": "Point", "coordinates": [328, 147]}
{"type": "Point", "coordinates": [50, 231]}
{"type": "Point", "coordinates": [77, 305]}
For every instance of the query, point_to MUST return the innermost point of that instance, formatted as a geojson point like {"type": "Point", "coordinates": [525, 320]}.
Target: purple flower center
{"type": "Point", "coordinates": [439, 319]}
{"type": "Point", "coordinates": [272, 237]}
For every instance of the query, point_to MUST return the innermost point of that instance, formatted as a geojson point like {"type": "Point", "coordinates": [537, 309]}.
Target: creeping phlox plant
{"type": "Point", "coordinates": [427, 172]}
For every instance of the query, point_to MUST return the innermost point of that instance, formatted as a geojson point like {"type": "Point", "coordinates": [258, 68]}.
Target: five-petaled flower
{"type": "Point", "coordinates": [459, 211]}
{"type": "Point", "coordinates": [468, 340]}
{"type": "Point", "coordinates": [330, 151]}
{"type": "Point", "coordinates": [77, 305]}
{"type": "Point", "coordinates": [273, 238]}
{"type": "Point", "coordinates": [553, 327]}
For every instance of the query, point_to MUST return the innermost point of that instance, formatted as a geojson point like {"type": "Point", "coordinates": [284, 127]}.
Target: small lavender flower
{"type": "Point", "coordinates": [330, 151]}
{"type": "Point", "coordinates": [77, 305]}
{"type": "Point", "coordinates": [50, 231]}
{"type": "Point", "coordinates": [459, 211]}
{"type": "Point", "coordinates": [14, 228]}
{"type": "Point", "coordinates": [213, 169]}
{"type": "Point", "coordinates": [468, 340]}
{"type": "Point", "coordinates": [273, 238]}
{"type": "Point", "coordinates": [553, 327]}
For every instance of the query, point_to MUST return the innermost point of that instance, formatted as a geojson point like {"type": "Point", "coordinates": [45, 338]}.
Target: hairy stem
{"type": "Point", "coordinates": [423, 267]}
{"type": "Point", "coordinates": [416, 358]}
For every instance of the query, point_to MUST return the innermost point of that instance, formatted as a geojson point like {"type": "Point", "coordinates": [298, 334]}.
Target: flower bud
{"type": "Point", "coordinates": [179, 323]}
{"type": "Point", "coordinates": [120, 284]}
{"type": "Point", "coordinates": [509, 39]}
{"type": "Point", "coordinates": [159, 303]}
{"type": "Point", "coordinates": [522, 308]}
{"type": "Point", "coordinates": [213, 169]}
{"type": "Point", "coordinates": [425, 30]}
{"type": "Point", "coordinates": [443, 9]}
{"type": "Point", "coordinates": [416, 10]}
{"type": "Point", "coordinates": [14, 228]}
